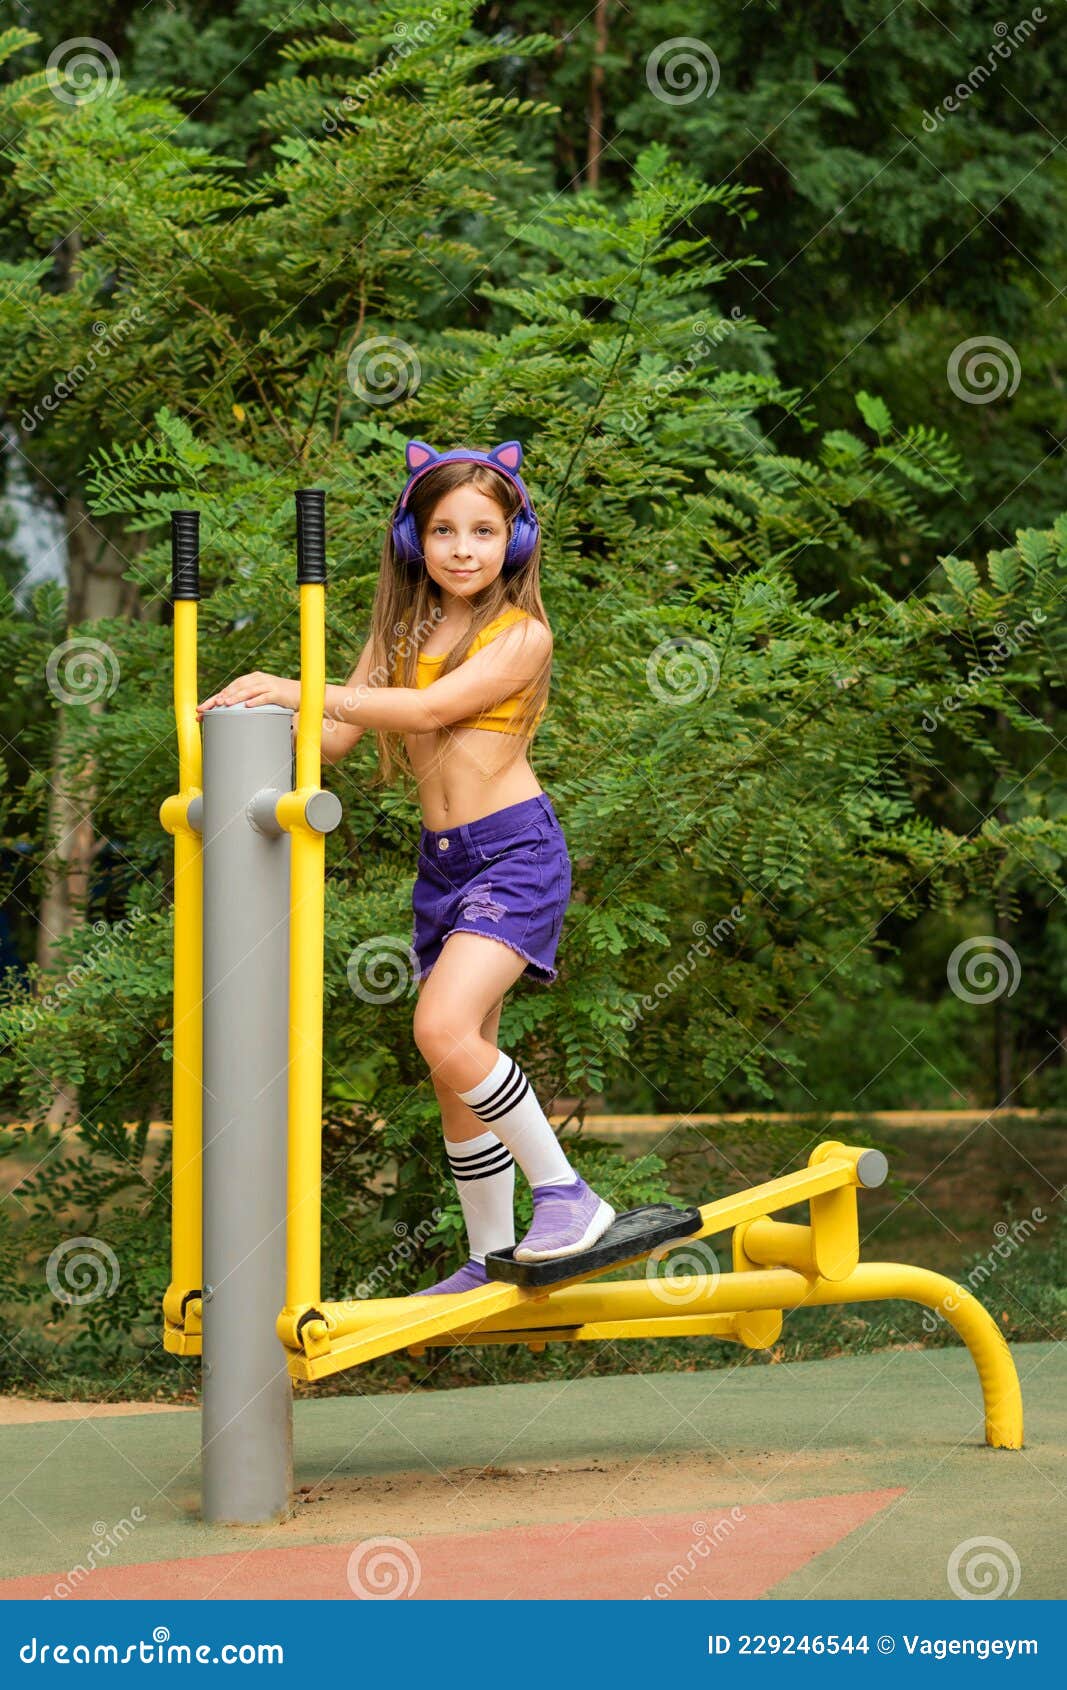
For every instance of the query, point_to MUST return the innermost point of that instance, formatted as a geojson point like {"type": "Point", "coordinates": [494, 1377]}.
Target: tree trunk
{"type": "Point", "coordinates": [595, 137]}
{"type": "Point", "coordinates": [96, 589]}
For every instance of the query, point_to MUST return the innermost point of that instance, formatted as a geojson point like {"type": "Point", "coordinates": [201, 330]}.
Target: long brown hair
{"type": "Point", "coordinates": [407, 608]}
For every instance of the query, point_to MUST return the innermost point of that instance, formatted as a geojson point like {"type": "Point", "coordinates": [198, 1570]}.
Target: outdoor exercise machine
{"type": "Point", "coordinates": [245, 1284]}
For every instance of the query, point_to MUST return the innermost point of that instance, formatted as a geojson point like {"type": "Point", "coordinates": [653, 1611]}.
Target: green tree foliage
{"type": "Point", "coordinates": [751, 709]}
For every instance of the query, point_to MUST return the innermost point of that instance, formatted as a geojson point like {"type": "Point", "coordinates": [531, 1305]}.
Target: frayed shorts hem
{"type": "Point", "coordinates": [543, 974]}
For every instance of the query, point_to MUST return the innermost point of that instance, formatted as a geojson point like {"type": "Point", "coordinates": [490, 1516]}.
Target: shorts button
{"type": "Point", "coordinates": [443, 843]}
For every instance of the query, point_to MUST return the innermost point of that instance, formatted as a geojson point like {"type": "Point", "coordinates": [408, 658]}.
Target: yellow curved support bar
{"type": "Point", "coordinates": [360, 1331]}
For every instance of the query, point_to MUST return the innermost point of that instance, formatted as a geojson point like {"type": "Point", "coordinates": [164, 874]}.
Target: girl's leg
{"type": "Point", "coordinates": [484, 1171]}
{"type": "Point", "coordinates": [458, 1118]}
{"type": "Point", "coordinates": [471, 975]}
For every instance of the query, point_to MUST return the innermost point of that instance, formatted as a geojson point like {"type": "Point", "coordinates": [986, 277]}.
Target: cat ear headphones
{"type": "Point", "coordinates": [506, 460]}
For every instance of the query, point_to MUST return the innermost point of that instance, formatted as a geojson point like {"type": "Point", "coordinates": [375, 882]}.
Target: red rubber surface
{"type": "Point", "coordinates": [713, 1552]}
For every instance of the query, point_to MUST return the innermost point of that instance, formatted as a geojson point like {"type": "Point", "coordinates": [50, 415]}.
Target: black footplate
{"type": "Point", "coordinates": [633, 1233]}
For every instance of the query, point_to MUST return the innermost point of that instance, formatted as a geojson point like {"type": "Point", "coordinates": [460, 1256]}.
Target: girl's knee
{"type": "Point", "coordinates": [439, 1030]}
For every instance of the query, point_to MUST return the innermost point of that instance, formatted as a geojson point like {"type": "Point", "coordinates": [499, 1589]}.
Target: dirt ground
{"type": "Point", "coordinates": [23, 1411]}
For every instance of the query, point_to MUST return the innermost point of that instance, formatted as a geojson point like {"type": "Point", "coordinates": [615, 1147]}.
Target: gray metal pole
{"type": "Point", "coordinates": [246, 1451]}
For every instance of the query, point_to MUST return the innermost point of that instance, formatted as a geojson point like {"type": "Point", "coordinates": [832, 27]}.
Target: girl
{"type": "Point", "coordinates": [456, 671]}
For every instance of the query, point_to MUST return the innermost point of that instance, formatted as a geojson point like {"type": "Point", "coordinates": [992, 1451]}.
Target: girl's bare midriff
{"type": "Point", "coordinates": [463, 777]}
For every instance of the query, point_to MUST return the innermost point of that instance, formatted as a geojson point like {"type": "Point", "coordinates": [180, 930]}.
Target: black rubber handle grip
{"type": "Point", "coordinates": [311, 536]}
{"type": "Point", "coordinates": [185, 554]}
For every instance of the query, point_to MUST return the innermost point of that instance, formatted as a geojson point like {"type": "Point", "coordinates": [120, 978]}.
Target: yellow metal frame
{"type": "Point", "coordinates": [182, 1303]}
{"type": "Point", "coordinates": [777, 1265]}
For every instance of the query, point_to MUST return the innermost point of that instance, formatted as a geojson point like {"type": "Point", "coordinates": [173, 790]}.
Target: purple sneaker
{"type": "Point", "coordinates": [567, 1218]}
{"type": "Point", "coordinates": [467, 1278]}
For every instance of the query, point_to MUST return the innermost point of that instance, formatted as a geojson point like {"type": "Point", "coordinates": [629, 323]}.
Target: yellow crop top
{"type": "Point", "coordinates": [498, 718]}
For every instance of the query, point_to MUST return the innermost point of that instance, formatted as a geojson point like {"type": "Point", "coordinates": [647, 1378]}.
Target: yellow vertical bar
{"type": "Point", "coordinates": [187, 1123]}
{"type": "Point", "coordinates": [306, 948]}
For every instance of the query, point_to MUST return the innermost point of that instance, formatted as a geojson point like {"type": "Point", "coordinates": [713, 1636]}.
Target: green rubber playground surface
{"type": "Point", "coordinates": [856, 1477]}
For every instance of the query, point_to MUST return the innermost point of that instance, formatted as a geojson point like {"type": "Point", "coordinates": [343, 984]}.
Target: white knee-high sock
{"type": "Point", "coordinates": [505, 1101]}
{"type": "Point", "coordinates": [484, 1172]}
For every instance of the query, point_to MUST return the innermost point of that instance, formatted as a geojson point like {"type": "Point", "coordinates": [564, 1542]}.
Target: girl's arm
{"type": "Point", "coordinates": [504, 666]}
{"type": "Point", "coordinates": [338, 737]}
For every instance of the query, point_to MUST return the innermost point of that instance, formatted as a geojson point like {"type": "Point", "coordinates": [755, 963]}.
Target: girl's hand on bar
{"type": "Point", "coordinates": [255, 689]}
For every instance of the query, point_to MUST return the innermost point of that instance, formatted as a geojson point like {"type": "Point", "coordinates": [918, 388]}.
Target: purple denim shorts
{"type": "Point", "coordinates": [506, 876]}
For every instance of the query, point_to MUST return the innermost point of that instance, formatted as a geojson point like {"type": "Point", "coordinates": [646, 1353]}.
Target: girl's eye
{"type": "Point", "coordinates": [439, 528]}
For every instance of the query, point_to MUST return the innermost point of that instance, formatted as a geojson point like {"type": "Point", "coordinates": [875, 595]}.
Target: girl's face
{"type": "Point", "coordinates": [464, 544]}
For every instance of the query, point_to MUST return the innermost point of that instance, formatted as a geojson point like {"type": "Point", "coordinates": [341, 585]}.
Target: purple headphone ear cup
{"type": "Point", "coordinates": [521, 542]}
{"type": "Point", "coordinates": [406, 538]}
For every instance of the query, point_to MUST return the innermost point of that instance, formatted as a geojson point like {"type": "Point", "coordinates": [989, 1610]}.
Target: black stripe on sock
{"type": "Point", "coordinates": [503, 1092]}
{"type": "Point", "coordinates": [475, 1164]}
{"type": "Point", "coordinates": [508, 1095]}
{"type": "Point", "coordinates": [478, 1158]}
{"type": "Point", "coordinates": [488, 1173]}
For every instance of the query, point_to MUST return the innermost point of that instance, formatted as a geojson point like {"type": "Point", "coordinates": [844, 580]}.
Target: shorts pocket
{"type": "Point", "coordinates": [529, 840]}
